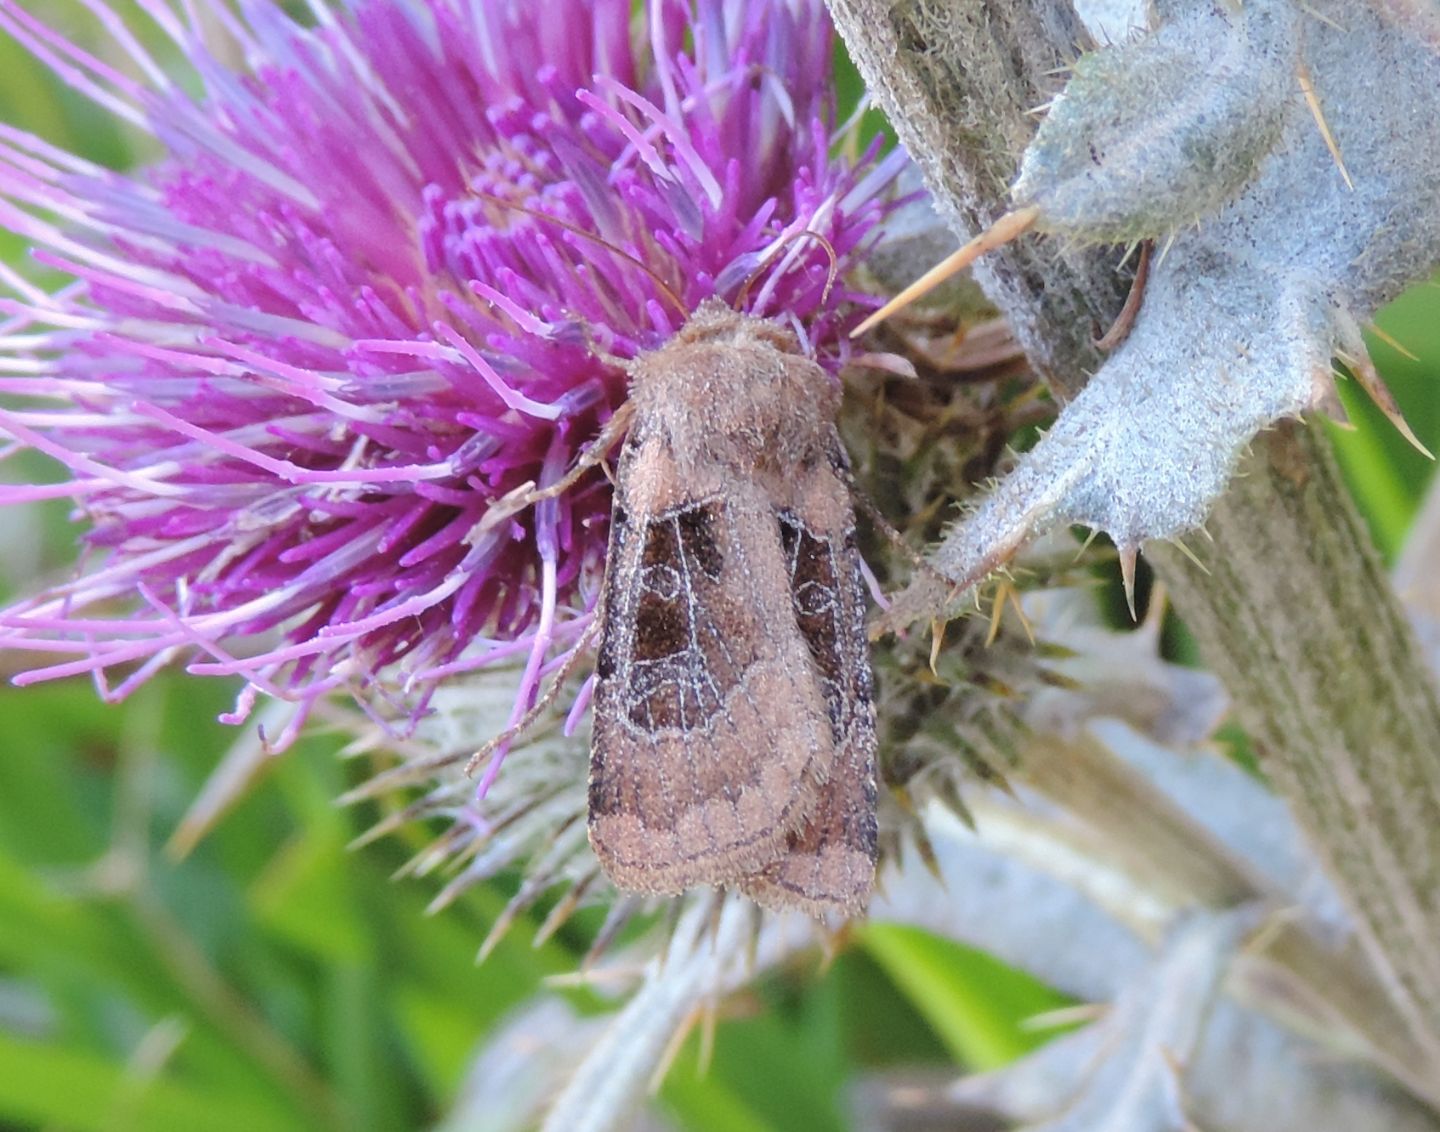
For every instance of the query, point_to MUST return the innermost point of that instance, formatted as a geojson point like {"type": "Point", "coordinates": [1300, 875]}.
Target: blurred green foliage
{"type": "Point", "coordinates": [274, 980]}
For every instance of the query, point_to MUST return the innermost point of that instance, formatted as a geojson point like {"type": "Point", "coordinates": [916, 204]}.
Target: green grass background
{"type": "Point", "coordinates": [274, 980]}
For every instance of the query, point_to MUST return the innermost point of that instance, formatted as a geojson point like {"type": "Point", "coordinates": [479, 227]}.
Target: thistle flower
{"type": "Point", "coordinates": [367, 293]}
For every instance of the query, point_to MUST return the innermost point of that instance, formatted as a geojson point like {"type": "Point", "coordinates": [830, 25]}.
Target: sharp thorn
{"type": "Point", "coordinates": [1391, 341]}
{"type": "Point", "coordinates": [1128, 555]}
{"type": "Point", "coordinates": [1370, 381]}
{"type": "Point", "coordinates": [1312, 100]}
{"type": "Point", "coordinates": [1190, 554]}
{"type": "Point", "coordinates": [1325, 396]}
{"type": "Point", "coordinates": [1004, 230]}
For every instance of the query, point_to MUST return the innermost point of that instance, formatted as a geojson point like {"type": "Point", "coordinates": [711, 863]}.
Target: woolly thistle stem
{"type": "Point", "coordinates": [1293, 610]}
{"type": "Point", "coordinates": [1296, 614]}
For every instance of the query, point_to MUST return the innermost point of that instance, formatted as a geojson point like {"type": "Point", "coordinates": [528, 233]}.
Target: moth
{"type": "Point", "coordinates": [733, 741]}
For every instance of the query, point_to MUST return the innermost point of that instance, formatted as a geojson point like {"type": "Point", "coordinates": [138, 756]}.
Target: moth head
{"type": "Point", "coordinates": [731, 380]}
{"type": "Point", "coordinates": [715, 321]}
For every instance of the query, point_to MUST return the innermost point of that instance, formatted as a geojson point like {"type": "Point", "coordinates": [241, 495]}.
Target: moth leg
{"type": "Point", "coordinates": [543, 704]}
{"type": "Point", "coordinates": [598, 450]}
{"type": "Point", "coordinates": [886, 528]}
{"type": "Point", "coordinates": [527, 494]}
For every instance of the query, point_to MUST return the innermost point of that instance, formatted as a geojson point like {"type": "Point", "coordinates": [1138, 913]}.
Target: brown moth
{"type": "Point", "coordinates": [734, 724]}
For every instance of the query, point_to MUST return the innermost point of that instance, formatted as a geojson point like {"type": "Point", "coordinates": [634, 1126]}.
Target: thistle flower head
{"type": "Point", "coordinates": [375, 285]}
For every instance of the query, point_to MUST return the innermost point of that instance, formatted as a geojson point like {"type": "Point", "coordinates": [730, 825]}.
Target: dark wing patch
{"type": "Point", "coordinates": [698, 528]}
{"type": "Point", "coordinates": [681, 661]}
{"type": "Point", "coordinates": [820, 612]}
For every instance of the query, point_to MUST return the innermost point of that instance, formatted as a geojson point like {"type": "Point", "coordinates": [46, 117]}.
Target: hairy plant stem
{"type": "Point", "coordinates": [1296, 614]}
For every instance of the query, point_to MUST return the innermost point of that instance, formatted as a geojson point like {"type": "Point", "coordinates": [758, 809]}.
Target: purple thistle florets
{"type": "Point", "coordinates": [376, 285]}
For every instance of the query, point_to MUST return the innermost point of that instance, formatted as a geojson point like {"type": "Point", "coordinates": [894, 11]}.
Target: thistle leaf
{"type": "Point", "coordinates": [1234, 119]}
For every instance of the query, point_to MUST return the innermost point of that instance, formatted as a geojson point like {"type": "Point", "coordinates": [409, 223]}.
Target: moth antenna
{"type": "Point", "coordinates": [1125, 320]}
{"type": "Point", "coordinates": [665, 288]}
{"type": "Point", "coordinates": [1007, 228]}
{"type": "Point", "coordinates": [496, 746]}
{"type": "Point", "coordinates": [830, 276]}
{"type": "Point", "coordinates": [886, 528]}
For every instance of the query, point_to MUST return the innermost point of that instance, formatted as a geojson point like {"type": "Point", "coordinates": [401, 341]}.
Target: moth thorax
{"type": "Point", "coordinates": [759, 403]}
{"type": "Point", "coordinates": [793, 410]}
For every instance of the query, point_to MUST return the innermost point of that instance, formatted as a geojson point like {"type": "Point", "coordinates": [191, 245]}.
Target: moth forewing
{"type": "Point", "coordinates": [829, 864]}
{"type": "Point", "coordinates": [828, 867]}
{"type": "Point", "coordinates": [706, 745]}
{"type": "Point", "coordinates": [733, 730]}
